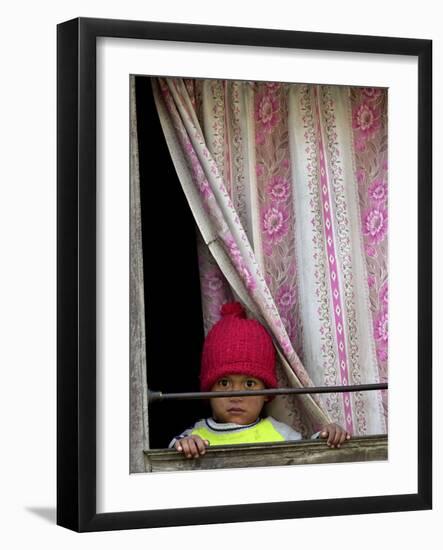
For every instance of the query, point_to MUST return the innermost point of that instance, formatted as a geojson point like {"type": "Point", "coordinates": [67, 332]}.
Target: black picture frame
{"type": "Point", "coordinates": [76, 273]}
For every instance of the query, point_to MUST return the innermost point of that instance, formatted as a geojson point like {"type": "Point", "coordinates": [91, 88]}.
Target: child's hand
{"type": "Point", "coordinates": [336, 435]}
{"type": "Point", "coordinates": [192, 446]}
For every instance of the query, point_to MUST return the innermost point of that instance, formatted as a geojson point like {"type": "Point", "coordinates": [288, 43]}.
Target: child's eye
{"type": "Point", "coordinates": [250, 383]}
{"type": "Point", "coordinates": [224, 382]}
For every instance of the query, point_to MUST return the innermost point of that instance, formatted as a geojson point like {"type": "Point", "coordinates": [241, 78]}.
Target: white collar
{"type": "Point", "coordinates": [227, 426]}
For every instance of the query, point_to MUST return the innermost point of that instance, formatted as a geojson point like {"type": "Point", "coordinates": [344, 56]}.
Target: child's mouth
{"type": "Point", "coordinates": [235, 409]}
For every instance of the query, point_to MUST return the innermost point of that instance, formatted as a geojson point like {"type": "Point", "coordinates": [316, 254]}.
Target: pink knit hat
{"type": "Point", "coordinates": [237, 345]}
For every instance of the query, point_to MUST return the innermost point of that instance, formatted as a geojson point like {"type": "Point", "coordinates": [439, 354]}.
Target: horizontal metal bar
{"type": "Point", "coordinates": [159, 396]}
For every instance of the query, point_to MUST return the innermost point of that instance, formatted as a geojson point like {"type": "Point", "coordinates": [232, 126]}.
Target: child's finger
{"type": "Point", "coordinates": [336, 440]}
{"type": "Point", "coordinates": [190, 448]}
{"type": "Point", "coordinates": [182, 446]}
{"type": "Point", "coordinates": [331, 436]}
{"type": "Point", "coordinates": [193, 448]}
{"type": "Point", "coordinates": [186, 448]}
{"type": "Point", "coordinates": [342, 438]}
{"type": "Point", "coordinates": [200, 445]}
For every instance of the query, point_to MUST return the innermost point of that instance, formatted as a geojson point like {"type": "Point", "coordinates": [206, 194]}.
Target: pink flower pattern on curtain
{"type": "Point", "coordinates": [293, 178]}
{"type": "Point", "coordinates": [369, 125]}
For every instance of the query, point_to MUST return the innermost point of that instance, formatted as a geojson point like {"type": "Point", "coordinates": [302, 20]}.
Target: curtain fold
{"type": "Point", "coordinates": [271, 175]}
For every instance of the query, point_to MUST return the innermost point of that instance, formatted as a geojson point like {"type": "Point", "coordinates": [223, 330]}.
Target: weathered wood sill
{"type": "Point", "coordinates": [359, 449]}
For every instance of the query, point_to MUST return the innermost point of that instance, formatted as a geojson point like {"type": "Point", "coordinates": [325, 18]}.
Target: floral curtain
{"type": "Point", "coordinates": [369, 112]}
{"type": "Point", "coordinates": [287, 184]}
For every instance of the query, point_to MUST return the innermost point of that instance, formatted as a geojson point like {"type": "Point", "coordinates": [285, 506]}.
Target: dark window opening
{"type": "Point", "coordinates": [173, 313]}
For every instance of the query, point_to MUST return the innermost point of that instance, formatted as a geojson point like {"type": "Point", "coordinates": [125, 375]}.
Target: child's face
{"type": "Point", "coordinates": [241, 410]}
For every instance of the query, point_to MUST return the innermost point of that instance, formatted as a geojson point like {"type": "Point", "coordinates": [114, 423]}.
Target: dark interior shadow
{"type": "Point", "coordinates": [49, 514]}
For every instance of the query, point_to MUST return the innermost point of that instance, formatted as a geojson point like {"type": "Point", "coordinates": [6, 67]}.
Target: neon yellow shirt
{"type": "Point", "coordinates": [267, 430]}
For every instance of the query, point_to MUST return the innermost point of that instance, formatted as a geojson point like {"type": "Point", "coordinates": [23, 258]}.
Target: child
{"type": "Point", "coordinates": [238, 355]}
